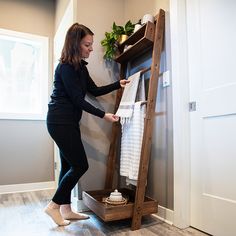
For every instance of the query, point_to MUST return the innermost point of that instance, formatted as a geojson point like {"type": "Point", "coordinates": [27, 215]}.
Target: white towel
{"type": "Point", "coordinates": [131, 140]}
{"type": "Point", "coordinates": [131, 143]}
{"type": "Point", "coordinates": [126, 107]}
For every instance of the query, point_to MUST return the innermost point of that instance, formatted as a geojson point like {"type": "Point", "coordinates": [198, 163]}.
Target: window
{"type": "Point", "coordinates": [23, 75]}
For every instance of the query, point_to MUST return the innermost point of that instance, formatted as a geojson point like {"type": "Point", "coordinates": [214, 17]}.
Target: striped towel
{"type": "Point", "coordinates": [126, 107]}
{"type": "Point", "coordinates": [131, 140]}
{"type": "Point", "coordinates": [131, 143]}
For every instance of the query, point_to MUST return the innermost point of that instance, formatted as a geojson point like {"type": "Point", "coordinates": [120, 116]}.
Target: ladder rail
{"type": "Point", "coordinates": [148, 124]}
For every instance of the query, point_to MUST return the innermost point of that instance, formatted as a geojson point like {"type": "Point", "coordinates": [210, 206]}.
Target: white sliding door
{"type": "Point", "coordinates": [212, 76]}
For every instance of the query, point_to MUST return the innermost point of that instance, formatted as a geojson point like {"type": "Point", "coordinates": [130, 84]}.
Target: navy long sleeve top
{"type": "Point", "coordinates": [68, 96]}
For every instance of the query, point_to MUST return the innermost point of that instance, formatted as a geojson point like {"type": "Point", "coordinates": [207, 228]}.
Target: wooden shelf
{"type": "Point", "coordinates": [149, 37]}
{"type": "Point", "coordinates": [94, 201]}
{"type": "Point", "coordinates": [141, 41]}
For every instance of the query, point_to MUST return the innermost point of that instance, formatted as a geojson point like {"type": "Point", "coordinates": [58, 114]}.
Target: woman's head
{"type": "Point", "coordinates": [78, 45]}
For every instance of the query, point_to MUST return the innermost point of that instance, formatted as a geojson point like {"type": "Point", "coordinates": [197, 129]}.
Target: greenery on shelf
{"type": "Point", "coordinates": [110, 42]}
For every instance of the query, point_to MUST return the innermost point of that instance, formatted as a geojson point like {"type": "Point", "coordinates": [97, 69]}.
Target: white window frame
{"type": "Point", "coordinates": [44, 74]}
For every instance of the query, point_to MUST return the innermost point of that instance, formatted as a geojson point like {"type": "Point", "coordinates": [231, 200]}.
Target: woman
{"type": "Point", "coordinates": [71, 83]}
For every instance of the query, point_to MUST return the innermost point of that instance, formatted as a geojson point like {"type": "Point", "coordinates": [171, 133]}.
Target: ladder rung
{"type": "Point", "coordinates": [143, 103]}
{"type": "Point", "coordinates": [145, 70]}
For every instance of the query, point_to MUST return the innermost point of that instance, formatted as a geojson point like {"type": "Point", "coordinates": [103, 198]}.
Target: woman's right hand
{"type": "Point", "coordinates": [123, 82]}
{"type": "Point", "coordinates": [111, 117]}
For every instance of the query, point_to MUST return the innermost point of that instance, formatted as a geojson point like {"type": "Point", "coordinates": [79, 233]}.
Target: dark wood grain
{"type": "Point", "coordinates": [148, 124]}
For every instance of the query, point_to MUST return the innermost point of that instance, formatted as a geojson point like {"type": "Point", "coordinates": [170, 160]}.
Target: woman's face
{"type": "Point", "coordinates": [86, 46]}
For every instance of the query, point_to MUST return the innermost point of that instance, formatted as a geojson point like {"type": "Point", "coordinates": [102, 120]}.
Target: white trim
{"type": "Point", "coordinates": [165, 214]}
{"type": "Point", "coordinates": [181, 121]}
{"type": "Point", "coordinates": [14, 188]}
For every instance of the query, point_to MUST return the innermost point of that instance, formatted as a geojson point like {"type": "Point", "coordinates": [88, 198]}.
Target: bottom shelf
{"type": "Point", "coordinates": [94, 200]}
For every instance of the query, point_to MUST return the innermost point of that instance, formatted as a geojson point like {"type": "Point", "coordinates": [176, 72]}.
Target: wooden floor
{"type": "Point", "coordinates": [22, 214]}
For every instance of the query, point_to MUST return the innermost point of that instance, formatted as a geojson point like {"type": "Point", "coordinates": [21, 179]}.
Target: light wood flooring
{"type": "Point", "coordinates": [22, 214]}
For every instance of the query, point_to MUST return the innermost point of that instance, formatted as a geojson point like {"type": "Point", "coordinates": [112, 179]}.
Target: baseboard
{"type": "Point", "coordinates": [165, 215]}
{"type": "Point", "coordinates": [79, 205]}
{"type": "Point", "coordinates": [14, 188]}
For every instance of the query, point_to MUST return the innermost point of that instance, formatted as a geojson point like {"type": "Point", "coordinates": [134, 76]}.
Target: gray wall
{"type": "Point", "coordinates": [26, 150]}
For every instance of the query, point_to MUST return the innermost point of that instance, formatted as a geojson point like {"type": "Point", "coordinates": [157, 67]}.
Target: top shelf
{"type": "Point", "coordinates": [141, 41]}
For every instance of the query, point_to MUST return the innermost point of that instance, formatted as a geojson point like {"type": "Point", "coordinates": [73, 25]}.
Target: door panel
{"type": "Point", "coordinates": [219, 101]}
{"type": "Point", "coordinates": [212, 76]}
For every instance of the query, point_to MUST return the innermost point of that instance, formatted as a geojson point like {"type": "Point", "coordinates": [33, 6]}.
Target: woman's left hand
{"type": "Point", "coordinates": [123, 82]}
{"type": "Point", "coordinates": [111, 117]}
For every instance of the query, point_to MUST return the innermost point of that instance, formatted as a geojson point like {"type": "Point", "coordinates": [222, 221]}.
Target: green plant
{"type": "Point", "coordinates": [128, 29]}
{"type": "Point", "coordinates": [110, 42]}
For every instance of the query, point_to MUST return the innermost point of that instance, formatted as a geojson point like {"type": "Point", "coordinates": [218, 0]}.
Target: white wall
{"type": "Point", "coordinates": [26, 150]}
{"type": "Point", "coordinates": [135, 9]}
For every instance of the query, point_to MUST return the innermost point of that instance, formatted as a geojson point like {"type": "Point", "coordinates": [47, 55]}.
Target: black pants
{"type": "Point", "coordinates": [73, 159]}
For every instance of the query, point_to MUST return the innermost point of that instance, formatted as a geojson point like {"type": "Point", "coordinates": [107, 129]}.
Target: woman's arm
{"type": "Point", "coordinates": [101, 90]}
{"type": "Point", "coordinates": [98, 91]}
{"type": "Point", "coordinates": [75, 92]}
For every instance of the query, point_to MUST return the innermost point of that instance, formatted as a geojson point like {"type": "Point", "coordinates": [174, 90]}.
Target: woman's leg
{"type": "Point", "coordinates": [53, 210]}
{"type": "Point", "coordinates": [69, 214]}
{"type": "Point", "coordinates": [66, 210]}
{"type": "Point", "coordinates": [71, 147]}
{"type": "Point", "coordinates": [68, 139]}
{"type": "Point", "coordinates": [65, 167]}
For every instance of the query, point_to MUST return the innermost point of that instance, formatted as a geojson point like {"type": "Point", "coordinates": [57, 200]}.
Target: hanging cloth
{"type": "Point", "coordinates": [126, 107]}
{"type": "Point", "coordinates": [131, 138]}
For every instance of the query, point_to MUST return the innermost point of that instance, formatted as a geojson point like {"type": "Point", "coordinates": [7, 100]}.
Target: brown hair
{"type": "Point", "coordinates": [71, 52]}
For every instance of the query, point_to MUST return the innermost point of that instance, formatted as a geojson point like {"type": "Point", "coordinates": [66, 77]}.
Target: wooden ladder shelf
{"type": "Point", "coordinates": [148, 37]}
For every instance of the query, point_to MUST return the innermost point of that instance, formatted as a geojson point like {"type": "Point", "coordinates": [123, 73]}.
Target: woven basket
{"type": "Point", "coordinates": [122, 202]}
